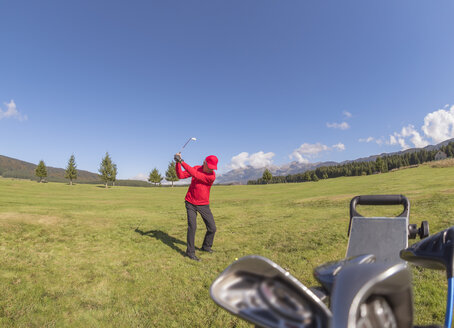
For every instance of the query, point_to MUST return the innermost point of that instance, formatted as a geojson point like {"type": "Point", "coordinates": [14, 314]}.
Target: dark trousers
{"type": "Point", "coordinates": [207, 217]}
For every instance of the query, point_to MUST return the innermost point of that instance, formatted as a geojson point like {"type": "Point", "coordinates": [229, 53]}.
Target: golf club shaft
{"type": "Point", "coordinates": [185, 144]}
{"type": "Point", "coordinates": [450, 303]}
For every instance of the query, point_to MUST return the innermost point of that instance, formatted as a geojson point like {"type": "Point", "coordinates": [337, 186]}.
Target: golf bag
{"type": "Point", "coordinates": [364, 290]}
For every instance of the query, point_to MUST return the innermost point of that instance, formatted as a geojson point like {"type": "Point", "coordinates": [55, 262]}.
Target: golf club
{"type": "Point", "coordinates": [187, 143]}
{"type": "Point", "coordinates": [373, 295]}
{"type": "Point", "coordinates": [258, 290]}
{"type": "Point", "coordinates": [436, 252]}
{"type": "Point", "coordinates": [365, 290]}
{"type": "Point", "coordinates": [327, 273]}
{"type": "Point", "coordinates": [367, 294]}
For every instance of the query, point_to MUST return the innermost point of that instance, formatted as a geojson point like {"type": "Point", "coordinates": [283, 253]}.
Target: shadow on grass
{"type": "Point", "coordinates": [165, 238]}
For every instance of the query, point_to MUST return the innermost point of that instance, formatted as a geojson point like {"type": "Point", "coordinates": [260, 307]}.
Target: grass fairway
{"type": "Point", "coordinates": [71, 257]}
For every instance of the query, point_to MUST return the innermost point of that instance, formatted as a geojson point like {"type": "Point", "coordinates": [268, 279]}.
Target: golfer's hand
{"type": "Point", "coordinates": [178, 158]}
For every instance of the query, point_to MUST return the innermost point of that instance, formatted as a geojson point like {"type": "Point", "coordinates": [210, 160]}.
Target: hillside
{"type": "Point", "coordinates": [14, 168]}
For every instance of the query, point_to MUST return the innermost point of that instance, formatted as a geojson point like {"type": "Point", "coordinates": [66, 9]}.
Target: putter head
{"type": "Point", "coordinates": [434, 252]}
{"type": "Point", "coordinates": [258, 290]}
{"type": "Point", "coordinates": [373, 295]}
{"type": "Point", "coordinates": [326, 273]}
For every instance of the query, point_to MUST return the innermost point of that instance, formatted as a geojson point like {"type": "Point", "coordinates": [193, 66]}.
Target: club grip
{"type": "Point", "coordinates": [378, 200]}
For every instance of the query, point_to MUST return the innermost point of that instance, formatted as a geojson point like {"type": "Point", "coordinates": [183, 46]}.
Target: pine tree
{"type": "Point", "coordinates": [114, 174]}
{"type": "Point", "coordinates": [379, 165]}
{"type": "Point", "coordinates": [171, 173]}
{"type": "Point", "coordinates": [41, 171]}
{"type": "Point", "coordinates": [107, 170]}
{"type": "Point", "coordinates": [267, 176]}
{"type": "Point", "coordinates": [71, 172]}
{"type": "Point", "coordinates": [314, 177]}
{"type": "Point", "coordinates": [385, 165]}
{"type": "Point", "coordinates": [155, 177]}
{"type": "Point", "coordinates": [414, 159]}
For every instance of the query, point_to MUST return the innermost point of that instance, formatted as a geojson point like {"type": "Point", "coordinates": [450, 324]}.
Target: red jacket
{"type": "Point", "coordinates": [199, 190]}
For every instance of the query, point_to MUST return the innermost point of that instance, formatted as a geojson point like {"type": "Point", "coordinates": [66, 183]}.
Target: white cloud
{"type": "Point", "coordinates": [306, 151]}
{"type": "Point", "coordinates": [372, 139]}
{"type": "Point", "coordinates": [11, 112]}
{"type": "Point", "coordinates": [261, 159]}
{"type": "Point", "coordinates": [415, 137]}
{"type": "Point", "coordinates": [298, 157]}
{"type": "Point", "coordinates": [342, 126]}
{"type": "Point", "coordinates": [339, 146]}
{"type": "Point", "coordinates": [256, 160]}
{"type": "Point", "coordinates": [239, 161]}
{"type": "Point", "coordinates": [439, 125]}
{"type": "Point", "coordinates": [392, 140]}
{"type": "Point", "coordinates": [397, 140]}
{"type": "Point", "coordinates": [408, 132]}
{"type": "Point", "coordinates": [367, 140]}
{"type": "Point", "coordinates": [311, 149]}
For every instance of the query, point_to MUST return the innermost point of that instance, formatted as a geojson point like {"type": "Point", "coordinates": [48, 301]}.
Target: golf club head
{"type": "Point", "coordinates": [258, 290]}
{"type": "Point", "coordinates": [372, 295]}
{"type": "Point", "coordinates": [434, 252]}
{"type": "Point", "coordinates": [193, 138]}
{"type": "Point", "coordinates": [326, 273]}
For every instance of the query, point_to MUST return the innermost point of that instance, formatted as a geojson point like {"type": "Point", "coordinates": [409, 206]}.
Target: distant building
{"type": "Point", "coordinates": [440, 155]}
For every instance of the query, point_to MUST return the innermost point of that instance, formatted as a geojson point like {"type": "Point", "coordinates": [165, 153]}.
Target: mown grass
{"type": "Point", "coordinates": [72, 256]}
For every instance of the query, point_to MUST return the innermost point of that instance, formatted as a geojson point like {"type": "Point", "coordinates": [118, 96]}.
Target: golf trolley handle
{"type": "Point", "coordinates": [378, 200]}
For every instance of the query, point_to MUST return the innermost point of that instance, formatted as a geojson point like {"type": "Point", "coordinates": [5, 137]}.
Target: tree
{"type": "Point", "coordinates": [267, 176]}
{"type": "Point", "coordinates": [71, 172]}
{"type": "Point", "coordinates": [107, 170]}
{"type": "Point", "coordinates": [171, 173]}
{"type": "Point", "coordinates": [114, 174]}
{"type": "Point", "coordinates": [414, 159]}
{"type": "Point", "coordinates": [314, 176]}
{"type": "Point", "coordinates": [380, 165]}
{"type": "Point", "coordinates": [155, 177]}
{"type": "Point", "coordinates": [41, 171]}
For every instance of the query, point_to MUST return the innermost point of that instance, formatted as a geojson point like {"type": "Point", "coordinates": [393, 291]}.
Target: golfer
{"type": "Point", "coordinates": [198, 200]}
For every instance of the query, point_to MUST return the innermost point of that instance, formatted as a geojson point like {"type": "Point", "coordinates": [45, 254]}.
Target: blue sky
{"type": "Point", "coordinates": [256, 82]}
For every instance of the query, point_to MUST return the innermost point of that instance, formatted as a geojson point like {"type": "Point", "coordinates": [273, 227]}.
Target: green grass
{"type": "Point", "coordinates": [70, 255]}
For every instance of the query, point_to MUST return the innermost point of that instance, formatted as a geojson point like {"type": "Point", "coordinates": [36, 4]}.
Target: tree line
{"type": "Point", "coordinates": [107, 172]}
{"type": "Point", "coordinates": [382, 164]}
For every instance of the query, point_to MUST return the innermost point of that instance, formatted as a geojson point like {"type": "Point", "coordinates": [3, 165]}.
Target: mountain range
{"type": "Point", "coordinates": [14, 168]}
{"type": "Point", "coordinates": [243, 175]}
